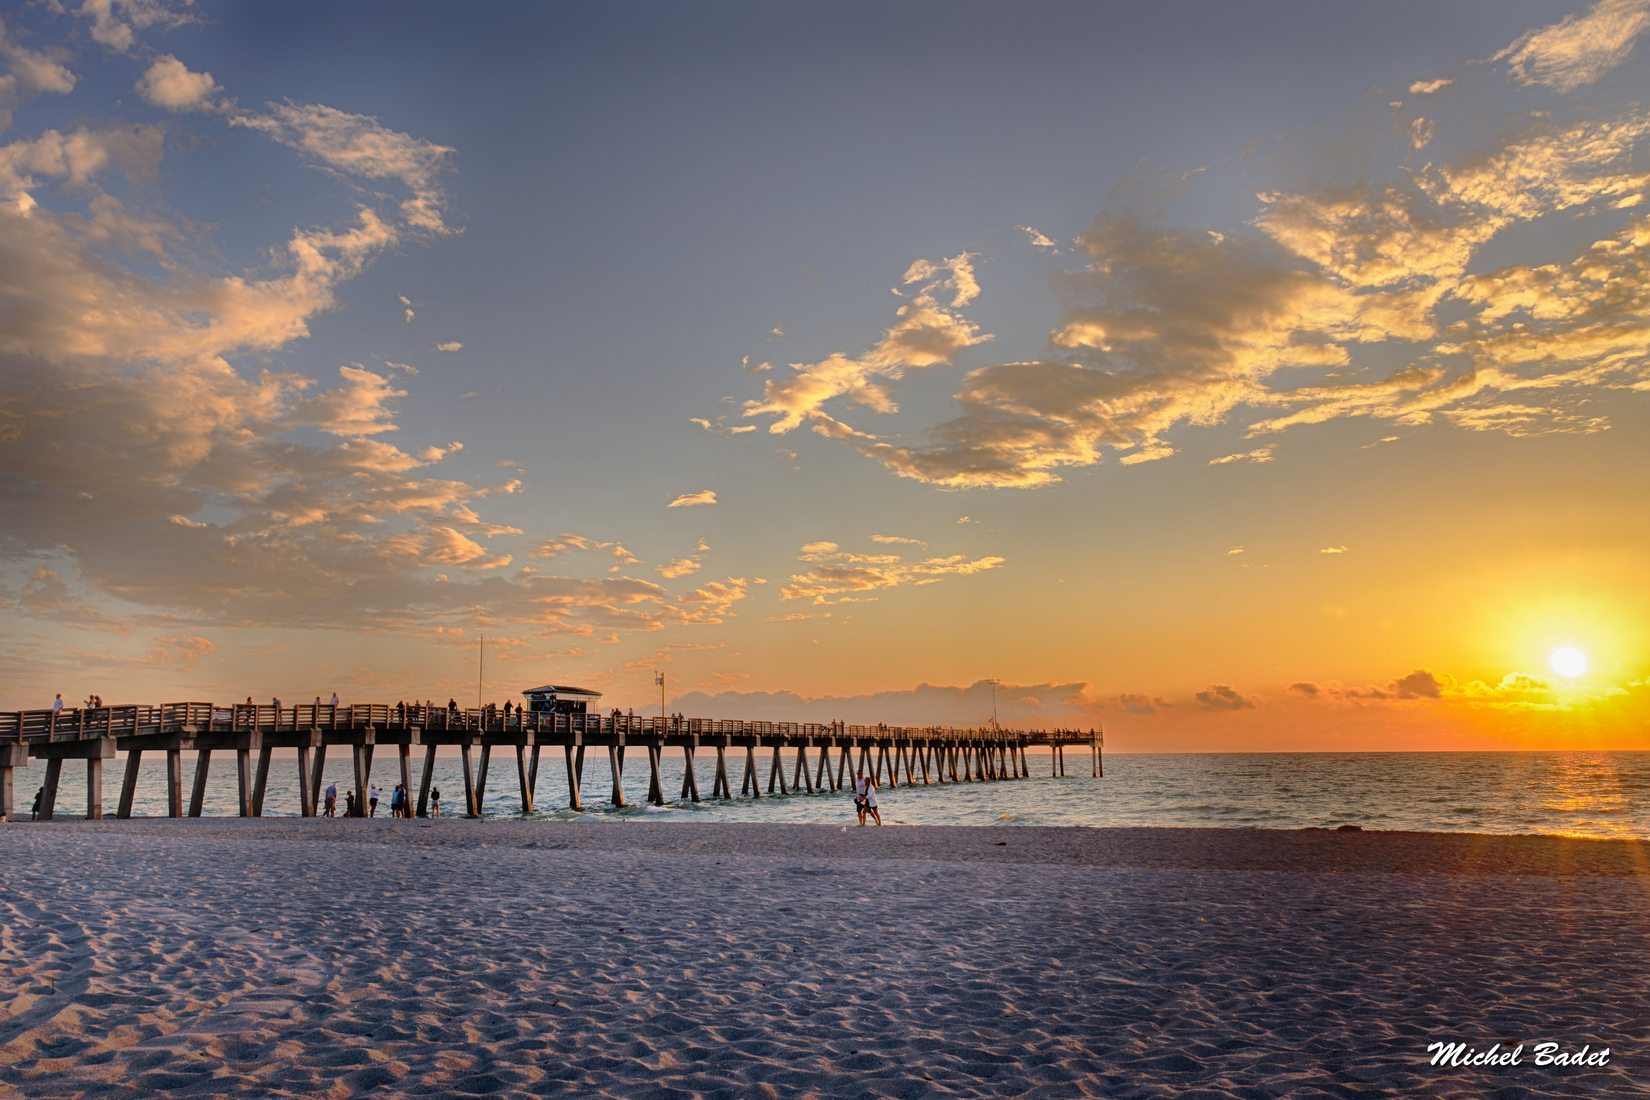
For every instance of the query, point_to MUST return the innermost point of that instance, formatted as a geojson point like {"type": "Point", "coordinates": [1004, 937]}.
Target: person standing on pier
{"type": "Point", "coordinates": [57, 708]}
{"type": "Point", "coordinates": [335, 698]}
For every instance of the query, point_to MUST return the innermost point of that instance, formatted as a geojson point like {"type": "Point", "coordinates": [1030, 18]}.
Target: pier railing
{"type": "Point", "coordinates": [925, 753]}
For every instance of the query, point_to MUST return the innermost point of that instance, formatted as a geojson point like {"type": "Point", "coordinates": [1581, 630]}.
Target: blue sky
{"type": "Point", "coordinates": [1155, 360]}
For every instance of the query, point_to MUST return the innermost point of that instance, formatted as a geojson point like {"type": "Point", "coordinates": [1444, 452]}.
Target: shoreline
{"type": "Point", "coordinates": [1309, 850]}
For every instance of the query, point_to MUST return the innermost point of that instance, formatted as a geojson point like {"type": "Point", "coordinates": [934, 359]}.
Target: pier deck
{"type": "Point", "coordinates": [817, 756]}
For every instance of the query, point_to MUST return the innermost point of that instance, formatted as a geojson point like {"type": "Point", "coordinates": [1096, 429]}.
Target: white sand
{"type": "Point", "coordinates": [342, 958]}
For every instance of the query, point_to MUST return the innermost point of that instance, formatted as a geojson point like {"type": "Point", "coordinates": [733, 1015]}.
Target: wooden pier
{"type": "Point", "coordinates": [818, 757]}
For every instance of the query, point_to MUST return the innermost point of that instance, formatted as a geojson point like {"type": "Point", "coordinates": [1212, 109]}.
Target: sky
{"type": "Point", "coordinates": [1261, 377]}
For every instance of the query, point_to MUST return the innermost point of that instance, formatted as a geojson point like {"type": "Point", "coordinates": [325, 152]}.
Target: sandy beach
{"type": "Point", "coordinates": [447, 958]}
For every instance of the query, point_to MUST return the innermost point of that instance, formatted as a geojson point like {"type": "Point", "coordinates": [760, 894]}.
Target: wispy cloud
{"type": "Point", "coordinates": [360, 147]}
{"type": "Point", "coordinates": [1039, 239]}
{"type": "Point", "coordinates": [925, 334]}
{"type": "Point", "coordinates": [1430, 87]}
{"type": "Point", "coordinates": [558, 545]}
{"type": "Point", "coordinates": [840, 576]}
{"type": "Point", "coordinates": [694, 500]}
{"type": "Point", "coordinates": [1580, 48]}
{"type": "Point", "coordinates": [1258, 455]}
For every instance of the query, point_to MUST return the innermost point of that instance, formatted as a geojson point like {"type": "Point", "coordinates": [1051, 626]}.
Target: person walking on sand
{"type": "Point", "coordinates": [332, 800]}
{"type": "Point", "coordinates": [871, 801]}
{"type": "Point", "coordinates": [39, 797]}
{"type": "Point", "coordinates": [435, 802]}
{"type": "Point", "coordinates": [373, 795]}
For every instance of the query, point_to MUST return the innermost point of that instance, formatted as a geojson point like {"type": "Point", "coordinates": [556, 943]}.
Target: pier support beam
{"type": "Point", "coordinates": [522, 779]}
{"type": "Point", "coordinates": [481, 777]}
{"type": "Point", "coordinates": [655, 783]}
{"type": "Point", "coordinates": [174, 780]}
{"type": "Point", "coordinates": [361, 756]}
{"type": "Point", "coordinates": [54, 772]}
{"type": "Point", "coordinates": [777, 772]}
{"type": "Point", "coordinates": [615, 764]}
{"type": "Point", "coordinates": [424, 781]}
{"type": "Point", "coordinates": [260, 782]}
{"type": "Point", "coordinates": [472, 803]}
{"type": "Point", "coordinates": [128, 786]}
{"type": "Point", "coordinates": [800, 777]}
{"type": "Point", "coordinates": [243, 781]}
{"type": "Point", "coordinates": [11, 757]}
{"type": "Point", "coordinates": [720, 787]}
{"type": "Point", "coordinates": [94, 785]}
{"type": "Point", "coordinates": [306, 794]}
{"type": "Point", "coordinates": [404, 757]}
{"type": "Point", "coordinates": [690, 781]}
{"type": "Point", "coordinates": [318, 772]}
{"type": "Point", "coordinates": [203, 766]}
{"type": "Point", "coordinates": [751, 784]}
{"type": "Point", "coordinates": [574, 752]}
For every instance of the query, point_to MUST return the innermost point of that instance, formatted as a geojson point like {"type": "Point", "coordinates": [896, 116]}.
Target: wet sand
{"type": "Point", "coordinates": [455, 958]}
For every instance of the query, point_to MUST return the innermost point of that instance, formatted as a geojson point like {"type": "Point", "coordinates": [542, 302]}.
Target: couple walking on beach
{"type": "Point", "coordinates": [865, 798]}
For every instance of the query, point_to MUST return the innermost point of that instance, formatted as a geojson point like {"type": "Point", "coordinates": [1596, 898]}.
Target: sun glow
{"type": "Point", "coordinates": [1568, 661]}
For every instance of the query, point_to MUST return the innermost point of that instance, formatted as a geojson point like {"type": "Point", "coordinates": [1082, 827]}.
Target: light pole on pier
{"type": "Point", "coordinates": [994, 724]}
{"type": "Point", "coordinates": [659, 678]}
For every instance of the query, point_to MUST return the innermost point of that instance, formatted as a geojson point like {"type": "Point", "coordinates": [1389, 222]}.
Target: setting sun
{"type": "Point", "coordinates": [1568, 661]}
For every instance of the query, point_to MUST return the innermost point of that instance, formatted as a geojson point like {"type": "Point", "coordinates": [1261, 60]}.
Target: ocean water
{"type": "Point", "coordinates": [1599, 794]}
